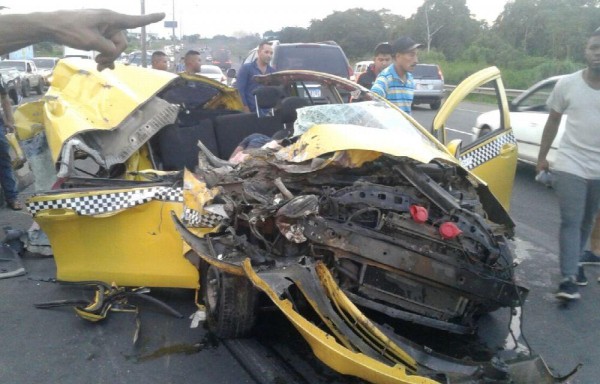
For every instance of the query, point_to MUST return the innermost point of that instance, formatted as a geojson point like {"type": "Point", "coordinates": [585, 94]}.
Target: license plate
{"type": "Point", "coordinates": [314, 92]}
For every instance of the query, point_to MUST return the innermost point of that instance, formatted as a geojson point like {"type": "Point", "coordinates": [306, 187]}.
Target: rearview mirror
{"type": "Point", "coordinates": [230, 73]}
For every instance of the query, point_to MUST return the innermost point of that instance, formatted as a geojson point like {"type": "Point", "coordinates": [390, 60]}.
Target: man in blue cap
{"type": "Point", "coordinates": [395, 82]}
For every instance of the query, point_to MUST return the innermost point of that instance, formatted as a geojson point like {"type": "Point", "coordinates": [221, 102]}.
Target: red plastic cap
{"type": "Point", "coordinates": [419, 214]}
{"type": "Point", "coordinates": [449, 230]}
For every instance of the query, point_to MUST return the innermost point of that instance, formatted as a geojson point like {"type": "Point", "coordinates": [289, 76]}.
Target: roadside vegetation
{"type": "Point", "coordinates": [529, 41]}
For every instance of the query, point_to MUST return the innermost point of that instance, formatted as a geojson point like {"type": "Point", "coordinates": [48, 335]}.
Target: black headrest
{"type": "Point", "coordinates": [289, 105]}
{"type": "Point", "coordinates": [267, 96]}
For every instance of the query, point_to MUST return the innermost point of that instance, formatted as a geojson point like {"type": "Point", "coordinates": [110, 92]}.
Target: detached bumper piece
{"type": "Point", "coordinates": [108, 298]}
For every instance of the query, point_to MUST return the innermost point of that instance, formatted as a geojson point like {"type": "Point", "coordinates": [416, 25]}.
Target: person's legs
{"type": "Point", "coordinates": [7, 177]}
{"type": "Point", "coordinates": [591, 209]}
{"type": "Point", "coordinates": [571, 191]}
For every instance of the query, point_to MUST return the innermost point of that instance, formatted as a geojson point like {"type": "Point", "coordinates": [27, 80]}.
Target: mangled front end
{"type": "Point", "coordinates": [323, 230]}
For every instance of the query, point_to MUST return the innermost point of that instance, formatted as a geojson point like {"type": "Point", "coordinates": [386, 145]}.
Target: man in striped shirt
{"type": "Point", "coordinates": [395, 82]}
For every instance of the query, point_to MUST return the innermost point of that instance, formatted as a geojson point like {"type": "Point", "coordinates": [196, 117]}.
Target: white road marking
{"type": "Point", "coordinates": [457, 131]}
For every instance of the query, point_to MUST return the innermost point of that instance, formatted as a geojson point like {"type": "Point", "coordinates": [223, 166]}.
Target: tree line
{"type": "Point", "coordinates": [529, 40]}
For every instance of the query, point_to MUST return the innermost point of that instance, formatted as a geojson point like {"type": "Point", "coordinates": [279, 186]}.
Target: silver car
{"type": "Point", "coordinates": [429, 85]}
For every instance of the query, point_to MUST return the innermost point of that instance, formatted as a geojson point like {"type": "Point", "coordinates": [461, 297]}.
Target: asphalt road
{"type": "Point", "coordinates": [55, 346]}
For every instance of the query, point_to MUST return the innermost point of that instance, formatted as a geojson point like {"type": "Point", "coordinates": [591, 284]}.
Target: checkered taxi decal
{"type": "Point", "coordinates": [108, 202]}
{"type": "Point", "coordinates": [193, 218]}
{"type": "Point", "coordinates": [486, 152]}
{"type": "Point", "coordinates": [112, 202]}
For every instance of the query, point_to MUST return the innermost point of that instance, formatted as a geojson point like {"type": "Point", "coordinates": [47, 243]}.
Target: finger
{"type": "Point", "coordinates": [105, 62]}
{"type": "Point", "coordinates": [119, 39]}
{"type": "Point", "coordinates": [129, 21]}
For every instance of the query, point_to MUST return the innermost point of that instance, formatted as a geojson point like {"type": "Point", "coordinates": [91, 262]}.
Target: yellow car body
{"type": "Point", "coordinates": [108, 216]}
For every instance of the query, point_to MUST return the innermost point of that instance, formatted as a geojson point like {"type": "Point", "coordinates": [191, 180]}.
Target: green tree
{"type": "Point", "coordinates": [356, 30]}
{"type": "Point", "coordinates": [446, 24]}
{"type": "Point", "coordinates": [552, 28]}
{"type": "Point", "coordinates": [294, 35]}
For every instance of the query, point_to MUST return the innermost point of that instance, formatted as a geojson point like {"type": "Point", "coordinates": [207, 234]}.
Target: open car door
{"type": "Point", "coordinates": [492, 157]}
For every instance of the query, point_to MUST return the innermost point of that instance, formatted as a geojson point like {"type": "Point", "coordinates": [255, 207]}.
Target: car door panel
{"type": "Point", "coordinates": [493, 158]}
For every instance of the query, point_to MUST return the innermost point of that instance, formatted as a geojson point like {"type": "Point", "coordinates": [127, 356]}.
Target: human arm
{"type": "Point", "coordinates": [88, 29]}
{"type": "Point", "coordinates": [380, 86]}
{"type": "Point", "coordinates": [550, 131]}
{"type": "Point", "coordinates": [9, 121]}
{"type": "Point", "coordinates": [241, 83]}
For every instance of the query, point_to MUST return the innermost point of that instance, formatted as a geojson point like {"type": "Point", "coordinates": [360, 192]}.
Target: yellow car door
{"type": "Point", "coordinates": [493, 157]}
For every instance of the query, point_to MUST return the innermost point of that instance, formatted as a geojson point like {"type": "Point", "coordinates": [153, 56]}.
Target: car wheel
{"type": "Point", "coordinates": [26, 89]}
{"type": "Point", "coordinates": [39, 89]}
{"type": "Point", "coordinates": [230, 303]}
{"type": "Point", "coordinates": [436, 105]}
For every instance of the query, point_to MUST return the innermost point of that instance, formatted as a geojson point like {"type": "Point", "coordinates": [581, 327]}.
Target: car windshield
{"type": "Point", "coordinates": [13, 64]}
{"type": "Point", "coordinates": [45, 63]}
{"type": "Point", "coordinates": [320, 58]}
{"type": "Point", "coordinates": [426, 72]}
{"type": "Point", "coordinates": [368, 114]}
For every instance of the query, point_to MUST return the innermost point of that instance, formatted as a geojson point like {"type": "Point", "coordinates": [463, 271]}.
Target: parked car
{"type": "Point", "coordinates": [30, 77]}
{"type": "Point", "coordinates": [213, 72]}
{"type": "Point", "coordinates": [325, 57]}
{"type": "Point", "coordinates": [13, 84]}
{"type": "Point", "coordinates": [45, 67]}
{"type": "Point", "coordinates": [360, 68]}
{"type": "Point", "coordinates": [363, 214]}
{"type": "Point", "coordinates": [429, 85]}
{"type": "Point", "coordinates": [135, 58]}
{"type": "Point", "coordinates": [528, 115]}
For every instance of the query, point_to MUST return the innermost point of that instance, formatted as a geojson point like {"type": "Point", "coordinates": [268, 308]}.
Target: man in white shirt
{"type": "Point", "coordinates": [577, 165]}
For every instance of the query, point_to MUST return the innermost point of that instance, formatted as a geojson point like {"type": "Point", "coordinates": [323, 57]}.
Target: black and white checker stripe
{"type": "Point", "coordinates": [108, 202]}
{"type": "Point", "coordinates": [486, 152]}
{"type": "Point", "coordinates": [195, 219]}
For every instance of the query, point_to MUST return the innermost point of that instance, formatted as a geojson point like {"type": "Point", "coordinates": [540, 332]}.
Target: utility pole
{"type": "Point", "coordinates": [174, 37]}
{"type": "Point", "coordinates": [143, 38]}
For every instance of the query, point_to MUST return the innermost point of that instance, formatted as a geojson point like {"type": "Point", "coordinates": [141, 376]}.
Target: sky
{"type": "Point", "coordinates": [196, 17]}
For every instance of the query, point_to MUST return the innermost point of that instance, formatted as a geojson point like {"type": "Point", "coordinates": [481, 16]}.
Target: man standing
{"type": "Point", "coordinates": [7, 176]}
{"type": "Point", "coordinates": [577, 165]}
{"type": "Point", "coordinates": [180, 67]}
{"type": "Point", "coordinates": [192, 61]}
{"type": "Point", "coordinates": [160, 61]}
{"type": "Point", "coordinates": [395, 82]}
{"type": "Point", "coordinates": [381, 59]}
{"type": "Point", "coordinates": [245, 82]}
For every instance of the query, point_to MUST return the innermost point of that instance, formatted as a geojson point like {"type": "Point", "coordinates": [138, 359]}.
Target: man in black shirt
{"type": "Point", "coordinates": [381, 59]}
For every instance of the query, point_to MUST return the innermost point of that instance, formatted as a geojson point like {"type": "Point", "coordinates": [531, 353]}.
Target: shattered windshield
{"type": "Point", "coordinates": [368, 114]}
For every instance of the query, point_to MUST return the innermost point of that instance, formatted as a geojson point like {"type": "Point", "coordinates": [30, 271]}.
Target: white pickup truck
{"type": "Point", "coordinates": [31, 78]}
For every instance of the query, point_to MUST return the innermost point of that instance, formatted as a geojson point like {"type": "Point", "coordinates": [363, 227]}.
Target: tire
{"type": "Point", "coordinates": [435, 105]}
{"type": "Point", "coordinates": [39, 89]}
{"type": "Point", "coordinates": [26, 89]}
{"type": "Point", "coordinates": [230, 303]}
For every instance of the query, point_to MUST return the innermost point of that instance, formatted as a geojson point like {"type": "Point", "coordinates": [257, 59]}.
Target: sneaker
{"type": "Point", "coordinates": [581, 280]}
{"type": "Point", "coordinates": [568, 290]}
{"type": "Point", "coordinates": [589, 258]}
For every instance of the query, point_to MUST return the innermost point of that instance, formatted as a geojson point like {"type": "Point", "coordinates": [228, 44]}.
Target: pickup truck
{"type": "Point", "coordinates": [31, 78]}
{"type": "Point", "coordinates": [11, 79]}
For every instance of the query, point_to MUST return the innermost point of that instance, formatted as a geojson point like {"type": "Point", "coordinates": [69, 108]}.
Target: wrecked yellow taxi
{"type": "Point", "coordinates": [357, 220]}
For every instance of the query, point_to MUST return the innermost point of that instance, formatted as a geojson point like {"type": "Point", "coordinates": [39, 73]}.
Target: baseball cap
{"type": "Point", "coordinates": [405, 44]}
{"type": "Point", "coordinates": [383, 49]}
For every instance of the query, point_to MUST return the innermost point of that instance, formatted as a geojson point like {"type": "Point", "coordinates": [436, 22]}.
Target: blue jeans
{"type": "Point", "coordinates": [7, 176]}
{"type": "Point", "coordinates": [579, 200]}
